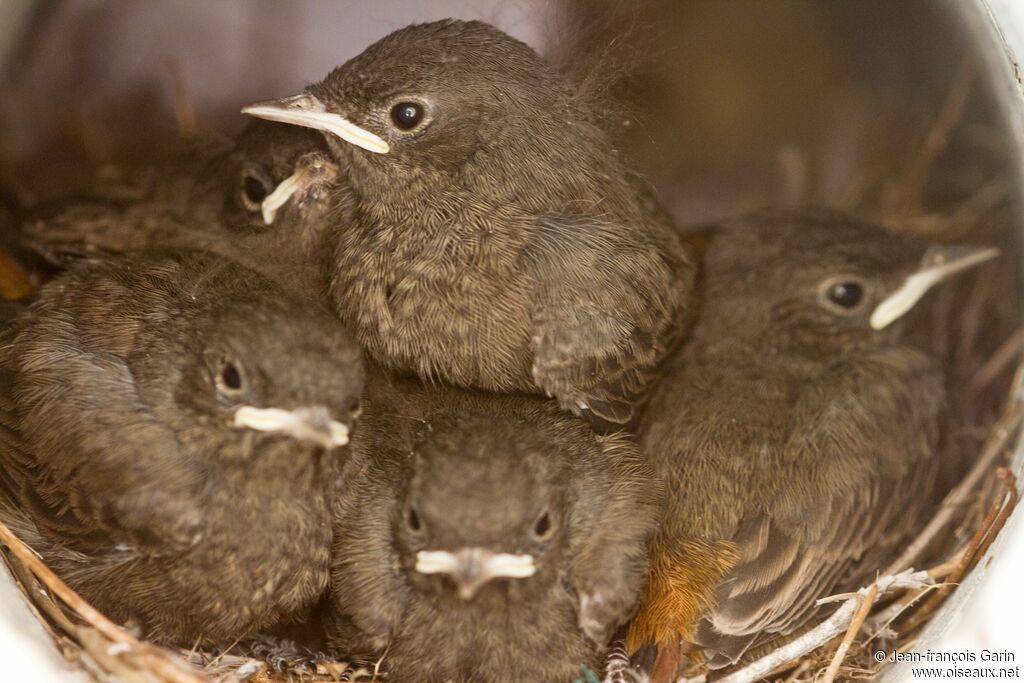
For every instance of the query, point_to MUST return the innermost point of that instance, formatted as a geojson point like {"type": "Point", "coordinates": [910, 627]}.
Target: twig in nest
{"type": "Point", "coordinates": [1010, 481]}
{"type": "Point", "coordinates": [942, 571]}
{"type": "Point", "coordinates": [93, 133]}
{"type": "Point", "coordinates": [881, 621]}
{"type": "Point", "coordinates": [1004, 428]}
{"type": "Point", "coordinates": [865, 604]}
{"type": "Point", "coordinates": [1008, 352]}
{"type": "Point", "coordinates": [160, 662]}
{"type": "Point", "coordinates": [793, 176]}
{"type": "Point", "coordinates": [987, 198]}
{"type": "Point", "coordinates": [39, 599]}
{"type": "Point", "coordinates": [975, 322]}
{"type": "Point", "coordinates": [975, 550]}
{"type": "Point", "coordinates": [937, 139]}
{"type": "Point", "coordinates": [29, 558]}
{"type": "Point", "coordinates": [828, 629]}
{"type": "Point", "coordinates": [967, 215]}
{"type": "Point", "coordinates": [798, 672]}
{"type": "Point", "coordinates": [184, 111]}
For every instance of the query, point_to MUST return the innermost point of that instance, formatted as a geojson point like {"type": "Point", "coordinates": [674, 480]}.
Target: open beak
{"type": "Point", "coordinates": [282, 193]}
{"type": "Point", "coordinates": [471, 568]}
{"type": "Point", "coordinates": [938, 265]}
{"type": "Point", "coordinates": [305, 424]}
{"type": "Point", "coordinates": [307, 173]}
{"type": "Point", "coordinates": [308, 111]}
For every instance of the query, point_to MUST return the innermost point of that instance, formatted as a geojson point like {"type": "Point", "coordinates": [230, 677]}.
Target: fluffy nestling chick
{"type": "Point", "coordinates": [170, 428]}
{"type": "Point", "coordinates": [798, 433]}
{"type": "Point", "coordinates": [214, 192]}
{"type": "Point", "coordinates": [497, 240]}
{"type": "Point", "coordinates": [492, 538]}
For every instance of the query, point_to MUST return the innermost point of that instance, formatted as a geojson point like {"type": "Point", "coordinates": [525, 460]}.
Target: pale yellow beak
{"type": "Point", "coordinates": [305, 424]}
{"type": "Point", "coordinates": [281, 194]}
{"type": "Point", "coordinates": [938, 265]}
{"type": "Point", "coordinates": [308, 111]}
{"type": "Point", "coordinates": [472, 568]}
{"type": "Point", "coordinates": [309, 171]}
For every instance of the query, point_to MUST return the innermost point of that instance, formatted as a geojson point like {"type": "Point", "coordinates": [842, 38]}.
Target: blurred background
{"type": "Point", "coordinates": [727, 103]}
{"type": "Point", "coordinates": [895, 110]}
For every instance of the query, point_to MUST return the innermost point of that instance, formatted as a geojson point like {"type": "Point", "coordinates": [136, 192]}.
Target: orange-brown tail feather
{"type": "Point", "coordinates": [680, 588]}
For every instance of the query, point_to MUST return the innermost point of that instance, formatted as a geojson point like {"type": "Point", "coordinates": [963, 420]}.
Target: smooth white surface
{"type": "Point", "coordinates": [27, 652]}
{"type": "Point", "coordinates": [234, 52]}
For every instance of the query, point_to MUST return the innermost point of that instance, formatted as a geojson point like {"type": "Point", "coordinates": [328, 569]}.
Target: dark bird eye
{"type": "Point", "coordinates": [254, 191]}
{"type": "Point", "coordinates": [542, 527]}
{"type": "Point", "coordinates": [845, 294]}
{"type": "Point", "coordinates": [413, 520]}
{"type": "Point", "coordinates": [407, 115]}
{"type": "Point", "coordinates": [230, 379]}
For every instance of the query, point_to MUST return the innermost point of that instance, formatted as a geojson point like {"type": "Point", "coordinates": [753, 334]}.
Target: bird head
{"type": "Point", "coordinates": [429, 98]}
{"type": "Point", "coordinates": [486, 509]}
{"type": "Point", "coordinates": [268, 158]}
{"type": "Point", "coordinates": [270, 371]}
{"type": "Point", "coordinates": [824, 282]}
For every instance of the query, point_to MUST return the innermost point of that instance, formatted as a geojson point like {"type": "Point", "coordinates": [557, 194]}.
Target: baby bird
{"type": "Point", "coordinates": [216, 193]}
{"type": "Point", "coordinates": [491, 538]}
{"type": "Point", "coordinates": [798, 433]}
{"type": "Point", "coordinates": [496, 240]}
{"type": "Point", "coordinates": [169, 428]}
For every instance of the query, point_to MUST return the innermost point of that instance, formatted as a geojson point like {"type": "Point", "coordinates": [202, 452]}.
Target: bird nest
{"type": "Point", "coordinates": [975, 328]}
